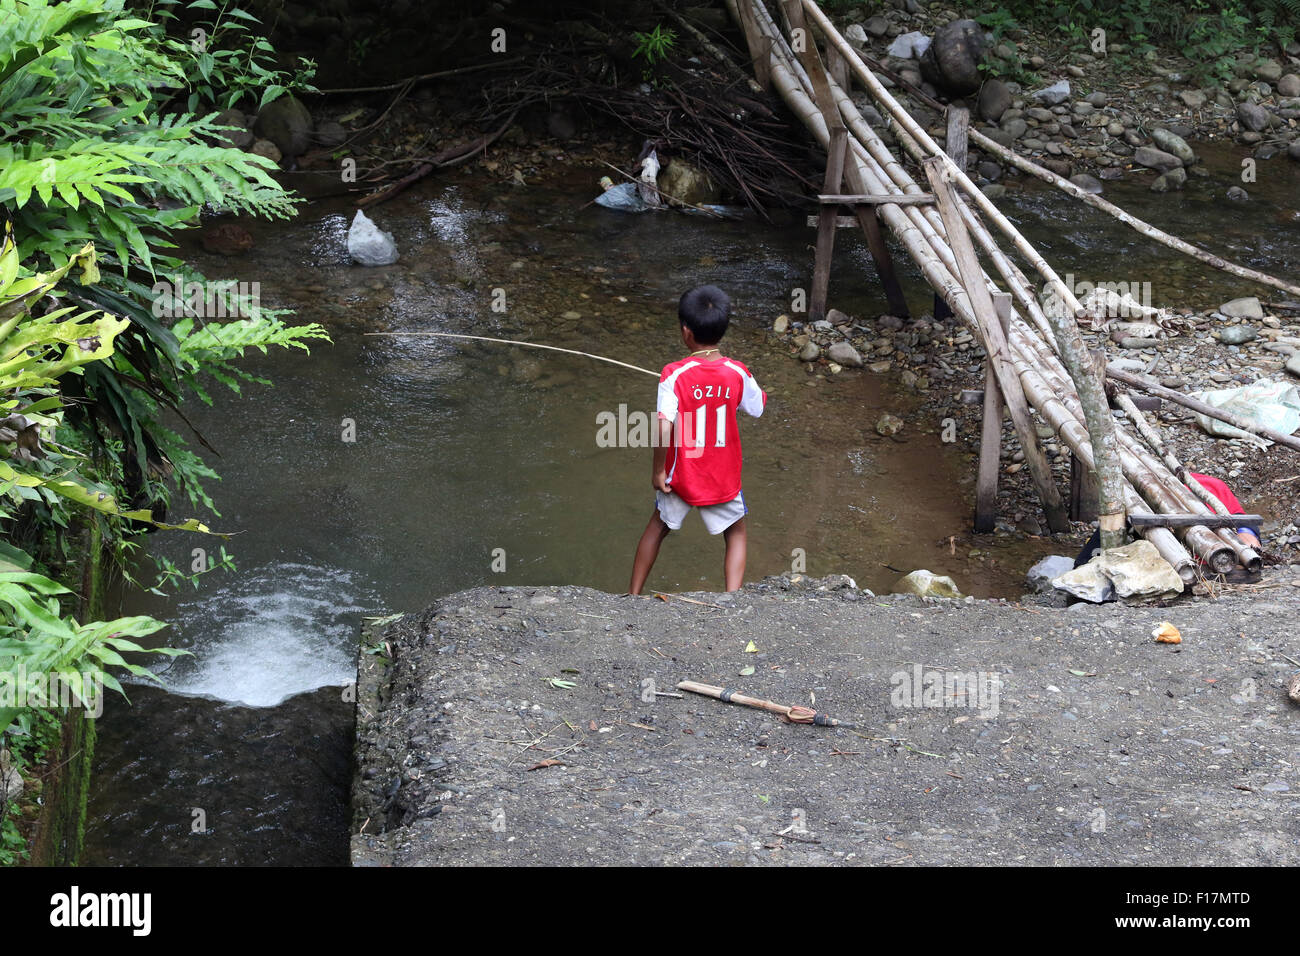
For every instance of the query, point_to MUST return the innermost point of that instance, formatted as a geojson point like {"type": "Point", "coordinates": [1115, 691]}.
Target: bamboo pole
{"type": "Point", "coordinates": [1101, 427]}
{"type": "Point", "coordinates": [1151, 232]}
{"type": "Point", "coordinates": [1145, 228]}
{"type": "Point", "coordinates": [923, 241]}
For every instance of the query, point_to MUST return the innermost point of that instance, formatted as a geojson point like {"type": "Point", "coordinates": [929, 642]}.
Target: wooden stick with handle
{"type": "Point", "coordinates": [794, 715]}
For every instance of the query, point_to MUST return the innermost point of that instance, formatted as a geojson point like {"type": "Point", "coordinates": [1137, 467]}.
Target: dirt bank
{"type": "Point", "coordinates": [1082, 741]}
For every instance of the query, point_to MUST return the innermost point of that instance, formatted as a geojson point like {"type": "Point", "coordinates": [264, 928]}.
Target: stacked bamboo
{"type": "Point", "coordinates": [1149, 485]}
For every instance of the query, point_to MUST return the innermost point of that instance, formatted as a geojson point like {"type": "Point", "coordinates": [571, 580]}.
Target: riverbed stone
{"type": "Point", "coordinates": [1041, 575]}
{"type": "Point", "coordinates": [1192, 99]}
{"type": "Point", "coordinates": [1015, 128]}
{"type": "Point", "coordinates": [927, 584]}
{"type": "Point", "coordinates": [909, 46]}
{"type": "Point", "coordinates": [845, 354]}
{"type": "Point", "coordinates": [1237, 194]}
{"type": "Point", "coordinates": [1293, 365]}
{"type": "Point", "coordinates": [1171, 181]}
{"type": "Point", "coordinates": [994, 100]}
{"type": "Point", "coordinates": [1252, 117]}
{"type": "Point", "coordinates": [1238, 334]}
{"type": "Point", "coordinates": [240, 137]}
{"type": "Point", "coordinates": [1268, 70]}
{"type": "Point", "coordinates": [287, 123]}
{"type": "Point", "coordinates": [690, 184]}
{"type": "Point", "coordinates": [1247, 307]}
{"type": "Point", "coordinates": [1289, 85]}
{"type": "Point", "coordinates": [781, 324]}
{"type": "Point", "coordinates": [1087, 183]}
{"type": "Point", "coordinates": [1055, 94]}
{"type": "Point", "coordinates": [889, 424]}
{"type": "Point", "coordinates": [1154, 158]}
{"type": "Point", "coordinates": [811, 352]}
{"type": "Point", "coordinates": [1173, 143]}
{"type": "Point", "coordinates": [1087, 583]}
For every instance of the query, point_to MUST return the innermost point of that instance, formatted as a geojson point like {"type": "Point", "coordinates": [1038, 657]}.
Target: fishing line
{"type": "Point", "coordinates": [531, 345]}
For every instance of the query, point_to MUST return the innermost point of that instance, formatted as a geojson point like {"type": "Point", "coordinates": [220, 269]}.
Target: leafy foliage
{"type": "Point", "coordinates": [102, 159]}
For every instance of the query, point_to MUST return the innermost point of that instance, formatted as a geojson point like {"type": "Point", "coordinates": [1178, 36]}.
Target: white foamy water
{"type": "Point", "coordinates": [267, 634]}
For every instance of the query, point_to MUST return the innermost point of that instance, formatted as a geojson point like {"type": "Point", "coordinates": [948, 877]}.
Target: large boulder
{"type": "Point", "coordinates": [287, 123]}
{"type": "Point", "coordinates": [1138, 571]}
{"type": "Point", "coordinates": [927, 584]}
{"type": "Point", "coordinates": [690, 184]}
{"type": "Point", "coordinates": [1134, 571]}
{"type": "Point", "coordinates": [952, 60]}
{"type": "Point", "coordinates": [1247, 307]}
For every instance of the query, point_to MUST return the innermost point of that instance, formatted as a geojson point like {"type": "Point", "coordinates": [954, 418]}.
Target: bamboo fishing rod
{"type": "Point", "coordinates": [531, 345]}
{"type": "Point", "coordinates": [794, 715]}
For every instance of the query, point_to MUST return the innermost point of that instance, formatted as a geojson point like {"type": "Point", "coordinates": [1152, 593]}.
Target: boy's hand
{"type": "Point", "coordinates": [660, 482]}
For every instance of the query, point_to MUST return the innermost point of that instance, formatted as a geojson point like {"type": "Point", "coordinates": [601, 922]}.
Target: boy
{"type": "Point", "coordinates": [697, 458]}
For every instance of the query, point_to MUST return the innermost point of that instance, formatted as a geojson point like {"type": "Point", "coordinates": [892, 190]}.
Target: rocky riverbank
{"type": "Point", "coordinates": [1088, 110]}
{"type": "Point", "coordinates": [1236, 344]}
{"type": "Point", "coordinates": [540, 726]}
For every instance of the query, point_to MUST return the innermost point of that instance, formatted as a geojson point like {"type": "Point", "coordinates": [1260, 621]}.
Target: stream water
{"type": "Point", "coordinates": [465, 453]}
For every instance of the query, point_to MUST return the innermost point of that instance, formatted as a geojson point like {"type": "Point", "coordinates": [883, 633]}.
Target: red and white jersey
{"type": "Point", "coordinates": [701, 399]}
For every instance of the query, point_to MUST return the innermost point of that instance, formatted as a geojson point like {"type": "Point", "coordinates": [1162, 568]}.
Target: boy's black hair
{"type": "Point", "coordinates": [706, 311]}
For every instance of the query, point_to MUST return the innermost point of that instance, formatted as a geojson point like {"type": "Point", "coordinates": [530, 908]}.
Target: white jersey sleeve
{"type": "Point", "coordinates": [752, 398]}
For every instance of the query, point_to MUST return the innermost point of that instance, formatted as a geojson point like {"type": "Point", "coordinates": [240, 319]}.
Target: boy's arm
{"type": "Point", "coordinates": [666, 409]}
{"type": "Point", "coordinates": [659, 476]}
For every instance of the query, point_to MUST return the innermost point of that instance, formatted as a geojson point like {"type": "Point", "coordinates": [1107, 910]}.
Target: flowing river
{"type": "Point", "coordinates": [383, 472]}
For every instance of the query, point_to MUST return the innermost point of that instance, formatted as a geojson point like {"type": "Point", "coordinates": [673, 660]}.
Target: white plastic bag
{"type": "Point", "coordinates": [370, 245]}
{"type": "Point", "coordinates": [1274, 405]}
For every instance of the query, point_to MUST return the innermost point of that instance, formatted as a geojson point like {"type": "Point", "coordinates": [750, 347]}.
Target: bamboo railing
{"type": "Point", "coordinates": [1142, 481]}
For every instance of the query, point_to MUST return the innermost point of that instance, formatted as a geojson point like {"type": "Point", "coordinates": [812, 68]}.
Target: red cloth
{"type": "Point", "coordinates": [702, 398]}
{"type": "Point", "coordinates": [1221, 491]}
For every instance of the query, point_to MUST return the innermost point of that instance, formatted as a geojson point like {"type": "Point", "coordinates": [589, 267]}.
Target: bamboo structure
{"type": "Point", "coordinates": [1052, 368]}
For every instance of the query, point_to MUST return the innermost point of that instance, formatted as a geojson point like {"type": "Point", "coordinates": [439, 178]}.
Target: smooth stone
{"type": "Point", "coordinates": [1154, 158]}
{"type": "Point", "coordinates": [1237, 334]}
{"type": "Point", "coordinates": [926, 584]}
{"type": "Point", "coordinates": [1174, 144]}
{"type": "Point", "coordinates": [1247, 307]}
{"type": "Point", "coordinates": [1055, 94]}
{"type": "Point", "coordinates": [842, 353]}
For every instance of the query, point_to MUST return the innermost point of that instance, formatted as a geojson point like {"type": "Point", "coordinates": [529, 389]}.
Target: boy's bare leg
{"type": "Point", "coordinates": [647, 550]}
{"type": "Point", "coordinates": [734, 562]}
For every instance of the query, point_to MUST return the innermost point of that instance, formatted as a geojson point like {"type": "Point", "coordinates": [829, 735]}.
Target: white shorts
{"type": "Point", "coordinates": [717, 518]}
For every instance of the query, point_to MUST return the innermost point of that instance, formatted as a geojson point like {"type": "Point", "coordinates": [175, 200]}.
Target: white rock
{"type": "Point", "coordinates": [1087, 583]}
{"type": "Point", "coordinates": [856, 35]}
{"type": "Point", "coordinates": [909, 46]}
{"type": "Point", "coordinates": [1138, 570]}
{"type": "Point", "coordinates": [368, 244]}
{"type": "Point", "coordinates": [1041, 575]}
{"type": "Point", "coordinates": [927, 584]}
{"type": "Point", "coordinates": [1058, 92]}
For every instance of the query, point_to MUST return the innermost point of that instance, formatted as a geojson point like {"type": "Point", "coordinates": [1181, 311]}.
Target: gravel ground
{"type": "Point", "coordinates": [1082, 741]}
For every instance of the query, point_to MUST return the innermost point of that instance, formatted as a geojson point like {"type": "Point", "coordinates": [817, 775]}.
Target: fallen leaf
{"type": "Point", "coordinates": [1084, 673]}
{"type": "Point", "coordinates": [746, 671]}
{"type": "Point", "coordinates": [751, 648]}
{"type": "Point", "coordinates": [550, 762]}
